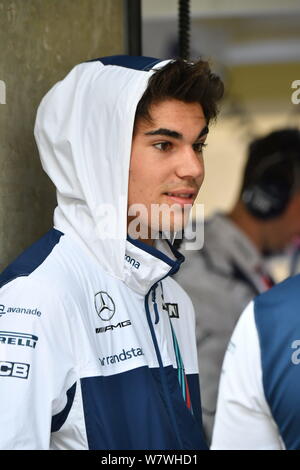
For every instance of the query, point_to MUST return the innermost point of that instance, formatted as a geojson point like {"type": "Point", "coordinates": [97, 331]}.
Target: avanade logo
{"type": "Point", "coordinates": [22, 310]}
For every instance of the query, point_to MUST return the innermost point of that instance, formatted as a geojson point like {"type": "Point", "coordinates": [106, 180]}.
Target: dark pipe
{"type": "Point", "coordinates": [184, 29]}
{"type": "Point", "coordinates": [134, 26]}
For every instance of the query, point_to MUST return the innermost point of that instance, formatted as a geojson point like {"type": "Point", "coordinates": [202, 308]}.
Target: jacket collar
{"type": "Point", "coordinates": [145, 265]}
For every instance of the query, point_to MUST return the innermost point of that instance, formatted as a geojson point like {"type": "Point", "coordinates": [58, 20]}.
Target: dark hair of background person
{"type": "Point", "coordinates": [275, 157]}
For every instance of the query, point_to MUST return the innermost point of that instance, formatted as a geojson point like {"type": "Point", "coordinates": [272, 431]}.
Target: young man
{"type": "Point", "coordinates": [97, 347]}
{"type": "Point", "coordinates": [231, 270]}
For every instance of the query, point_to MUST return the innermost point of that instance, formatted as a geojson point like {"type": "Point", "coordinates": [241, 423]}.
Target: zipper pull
{"type": "Point", "coordinates": [155, 304]}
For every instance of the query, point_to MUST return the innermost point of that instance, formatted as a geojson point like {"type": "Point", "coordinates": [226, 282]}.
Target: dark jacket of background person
{"type": "Point", "coordinates": [221, 279]}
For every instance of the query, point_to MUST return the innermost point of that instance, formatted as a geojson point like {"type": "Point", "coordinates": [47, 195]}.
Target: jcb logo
{"type": "Point", "coordinates": [14, 369]}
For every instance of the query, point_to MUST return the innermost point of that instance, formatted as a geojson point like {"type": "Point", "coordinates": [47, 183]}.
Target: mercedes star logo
{"type": "Point", "coordinates": [105, 306]}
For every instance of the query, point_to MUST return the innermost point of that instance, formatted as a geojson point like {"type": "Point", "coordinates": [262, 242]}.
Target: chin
{"type": "Point", "coordinates": [173, 219]}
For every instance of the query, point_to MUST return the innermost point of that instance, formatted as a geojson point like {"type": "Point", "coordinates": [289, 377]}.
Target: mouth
{"type": "Point", "coordinates": [182, 196]}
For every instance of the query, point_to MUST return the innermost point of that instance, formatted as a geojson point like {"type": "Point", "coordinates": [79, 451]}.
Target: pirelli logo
{"type": "Point", "coordinates": [14, 338]}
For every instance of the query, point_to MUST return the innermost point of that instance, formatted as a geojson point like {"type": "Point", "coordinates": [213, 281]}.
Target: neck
{"type": "Point", "coordinates": [139, 231]}
{"type": "Point", "coordinates": [248, 224]}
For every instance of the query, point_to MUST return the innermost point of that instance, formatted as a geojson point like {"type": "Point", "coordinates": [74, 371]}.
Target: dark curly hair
{"type": "Point", "coordinates": [185, 81]}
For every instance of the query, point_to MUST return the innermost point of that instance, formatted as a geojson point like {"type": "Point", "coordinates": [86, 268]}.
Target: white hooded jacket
{"type": "Point", "coordinates": [92, 325]}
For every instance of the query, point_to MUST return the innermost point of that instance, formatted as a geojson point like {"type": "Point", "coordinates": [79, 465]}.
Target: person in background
{"type": "Point", "coordinates": [258, 404]}
{"type": "Point", "coordinates": [230, 269]}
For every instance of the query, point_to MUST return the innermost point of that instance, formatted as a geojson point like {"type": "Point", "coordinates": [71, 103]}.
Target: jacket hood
{"type": "Point", "coordinates": [83, 131]}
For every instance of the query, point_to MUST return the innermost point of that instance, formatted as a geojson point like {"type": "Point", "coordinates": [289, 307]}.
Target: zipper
{"type": "Point", "coordinates": [182, 379]}
{"type": "Point", "coordinates": [155, 304]}
{"type": "Point", "coordinates": [158, 355]}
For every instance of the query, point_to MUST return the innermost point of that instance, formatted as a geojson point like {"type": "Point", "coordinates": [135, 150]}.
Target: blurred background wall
{"type": "Point", "coordinates": [41, 40]}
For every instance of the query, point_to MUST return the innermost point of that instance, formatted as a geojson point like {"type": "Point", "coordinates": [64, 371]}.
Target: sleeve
{"type": "Point", "coordinates": [243, 418]}
{"type": "Point", "coordinates": [36, 363]}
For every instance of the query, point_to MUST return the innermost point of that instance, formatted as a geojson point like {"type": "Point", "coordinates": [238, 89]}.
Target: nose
{"type": "Point", "coordinates": [190, 164]}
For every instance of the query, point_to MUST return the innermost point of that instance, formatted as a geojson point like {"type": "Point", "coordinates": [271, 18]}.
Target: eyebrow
{"type": "Point", "coordinates": [175, 134]}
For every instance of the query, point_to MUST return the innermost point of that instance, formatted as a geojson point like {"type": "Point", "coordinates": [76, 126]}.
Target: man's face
{"type": "Point", "coordinates": [166, 164]}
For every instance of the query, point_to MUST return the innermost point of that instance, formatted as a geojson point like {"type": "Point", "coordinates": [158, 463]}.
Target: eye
{"type": "Point", "coordinates": [199, 147]}
{"type": "Point", "coordinates": [163, 146]}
